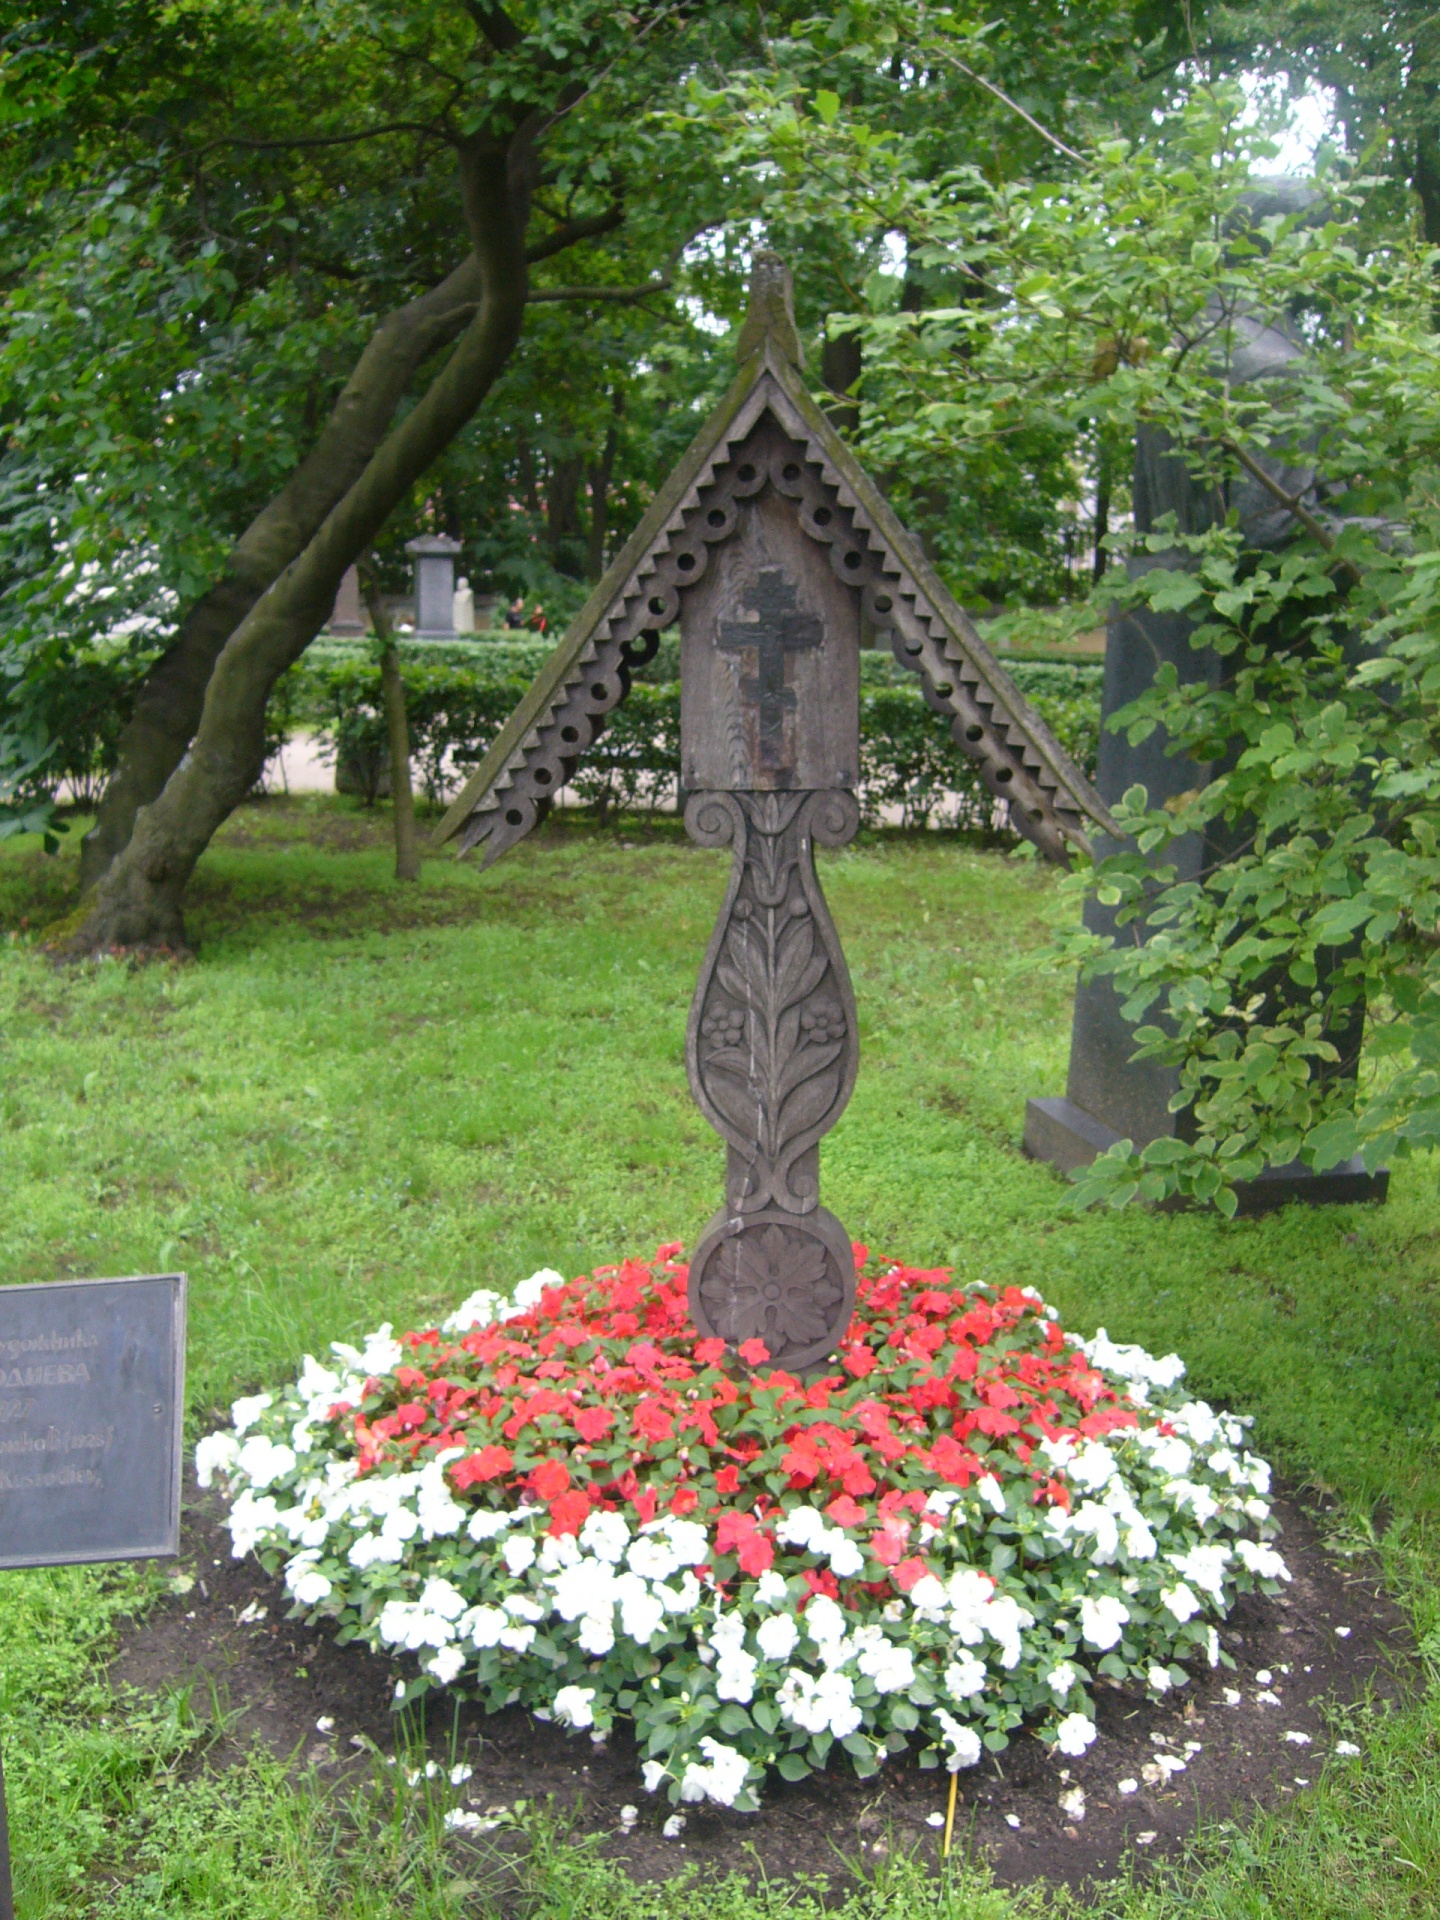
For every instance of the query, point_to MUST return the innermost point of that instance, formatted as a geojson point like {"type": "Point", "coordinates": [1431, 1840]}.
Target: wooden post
{"type": "Point", "coordinates": [7, 1898]}
{"type": "Point", "coordinates": [392, 691]}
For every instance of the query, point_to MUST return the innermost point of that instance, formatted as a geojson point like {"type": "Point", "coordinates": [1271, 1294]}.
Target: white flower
{"type": "Point", "coordinates": [310, 1588]}
{"type": "Point", "coordinates": [1074, 1734]}
{"type": "Point", "coordinates": [826, 1705]}
{"type": "Point", "coordinates": [606, 1535]}
{"type": "Point", "coordinates": [485, 1524]}
{"type": "Point", "coordinates": [846, 1559]}
{"type": "Point", "coordinates": [1204, 1567]}
{"type": "Point", "coordinates": [721, 1780]}
{"type": "Point", "coordinates": [1072, 1801]}
{"type": "Point", "coordinates": [673, 1827]}
{"type": "Point", "coordinates": [1180, 1601]}
{"type": "Point", "coordinates": [1058, 1453]}
{"type": "Point", "coordinates": [777, 1636]}
{"type": "Point", "coordinates": [988, 1488]}
{"type": "Point", "coordinates": [1262, 1561]}
{"type": "Point", "coordinates": [445, 1664]}
{"type": "Point", "coordinates": [927, 1597]}
{"type": "Point", "coordinates": [1297, 1739]}
{"type": "Point", "coordinates": [969, 1593]}
{"type": "Point", "coordinates": [575, 1706]}
{"type": "Point", "coordinates": [652, 1772]}
{"type": "Point", "coordinates": [1159, 1678]}
{"type": "Point", "coordinates": [1093, 1467]}
{"type": "Point", "coordinates": [642, 1612]}
{"type": "Point", "coordinates": [250, 1518]}
{"type": "Point", "coordinates": [370, 1547]}
{"type": "Point", "coordinates": [1101, 1620]}
{"type": "Point", "coordinates": [597, 1634]}
{"type": "Point", "coordinates": [518, 1552]}
{"type": "Point", "coordinates": [801, 1527]}
{"type": "Point", "coordinates": [1140, 1543]}
{"type": "Point", "coordinates": [247, 1411]}
{"type": "Point", "coordinates": [460, 1773]}
{"type": "Point", "coordinates": [1060, 1679]}
{"type": "Point", "coordinates": [381, 1353]}
{"type": "Point", "coordinates": [965, 1676]}
{"type": "Point", "coordinates": [1347, 1749]}
{"type": "Point", "coordinates": [770, 1589]}
{"type": "Point", "coordinates": [824, 1621]}
{"type": "Point", "coordinates": [529, 1292]}
{"type": "Point", "coordinates": [216, 1453]}
{"type": "Point", "coordinates": [477, 1310]}
{"type": "Point", "coordinates": [587, 1587]}
{"type": "Point", "coordinates": [1127, 1786]}
{"type": "Point", "coordinates": [439, 1596]}
{"type": "Point", "coordinates": [1004, 1620]}
{"type": "Point", "coordinates": [263, 1461]}
{"type": "Point", "coordinates": [1099, 1522]}
{"type": "Point", "coordinates": [963, 1742]}
{"type": "Point", "coordinates": [892, 1668]}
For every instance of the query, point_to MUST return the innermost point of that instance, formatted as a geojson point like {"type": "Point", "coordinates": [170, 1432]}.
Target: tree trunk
{"type": "Point", "coordinates": [601, 475]}
{"type": "Point", "coordinates": [1102, 507]}
{"type": "Point", "coordinates": [172, 695]}
{"type": "Point", "coordinates": [562, 511]}
{"type": "Point", "coordinates": [392, 691]}
{"type": "Point", "coordinates": [842, 362]}
{"type": "Point", "coordinates": [139, 900]}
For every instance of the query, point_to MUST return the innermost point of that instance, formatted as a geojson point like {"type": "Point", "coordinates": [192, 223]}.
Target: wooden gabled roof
{"type": "Point", "coordinates": [838, 505]}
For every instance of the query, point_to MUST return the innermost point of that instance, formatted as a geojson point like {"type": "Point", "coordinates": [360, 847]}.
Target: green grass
{"type": "Point", "coordinates": [363, 1100]}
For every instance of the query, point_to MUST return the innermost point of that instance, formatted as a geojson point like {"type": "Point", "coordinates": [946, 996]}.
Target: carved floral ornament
{"type": "Point", "coordinates": [771, 550]}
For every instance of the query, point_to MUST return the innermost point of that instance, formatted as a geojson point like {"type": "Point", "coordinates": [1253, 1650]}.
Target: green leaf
{"type": "Point", "coordinates": [827, 105]}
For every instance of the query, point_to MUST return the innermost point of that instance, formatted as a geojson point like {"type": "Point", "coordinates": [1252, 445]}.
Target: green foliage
{"type": "Point", "coordinates": [458, 698]}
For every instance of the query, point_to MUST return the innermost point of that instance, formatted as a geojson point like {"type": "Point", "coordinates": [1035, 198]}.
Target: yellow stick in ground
{"type": "Point", "coordinates": [949, 1818]}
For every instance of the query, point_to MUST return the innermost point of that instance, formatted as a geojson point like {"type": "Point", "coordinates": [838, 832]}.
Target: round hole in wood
{"type": "Point", "coordinates": [822, 516]}
{"type": "Point", "coordinates": [853, 559]}
{"type": "Point", "coordinates": [745, 473]}
{"type": "Point", "coordinates": [570, 734]}
{"type": "Point", "coordinates": [715, 517]}
{"type": "Point", "coordinates": [685, 562]}
{"type": "Point", "coordinates": [513, 816]}
{"type": "Point", "coordinates": [542, 776]}
{"type": "Point", "coordinates": [790, 470]}
{"type": "Point", "coordinates": [974, 733]}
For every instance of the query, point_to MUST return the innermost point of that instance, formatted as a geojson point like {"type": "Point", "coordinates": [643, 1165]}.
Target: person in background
{"type": "Point", "coordinates": [515, 617]}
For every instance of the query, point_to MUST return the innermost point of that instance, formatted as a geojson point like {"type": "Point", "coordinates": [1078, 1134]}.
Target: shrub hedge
{"type": "Point", "coordinates": [459, 697]}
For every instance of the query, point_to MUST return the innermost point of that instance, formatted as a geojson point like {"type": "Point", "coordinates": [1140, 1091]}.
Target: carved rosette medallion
{"type": "Point", "coordinates": [772, 1055]}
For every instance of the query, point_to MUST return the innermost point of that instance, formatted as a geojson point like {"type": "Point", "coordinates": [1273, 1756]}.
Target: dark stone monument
{"type": "Point", "coordinates": [92, 1400]}
{"type": "Point", "coordinates": [434, 558]}
{"type": "Point", "coordinates": [347, 615]}
{"type": "Point", "coordinates": [772, 550]}
{"type": "Point", "coordinates": [1108, 1095]}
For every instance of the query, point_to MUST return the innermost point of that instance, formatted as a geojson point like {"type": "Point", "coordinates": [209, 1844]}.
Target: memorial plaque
{"type": "Point", "coordinates": [92, 1379]}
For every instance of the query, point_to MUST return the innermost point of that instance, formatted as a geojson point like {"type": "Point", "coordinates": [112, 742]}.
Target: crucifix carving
{"type": "Point", "coordinates": [777, 630]}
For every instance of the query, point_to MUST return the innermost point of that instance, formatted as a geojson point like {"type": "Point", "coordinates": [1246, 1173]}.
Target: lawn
{"type": "Point", "coordinates": [361, 1101]}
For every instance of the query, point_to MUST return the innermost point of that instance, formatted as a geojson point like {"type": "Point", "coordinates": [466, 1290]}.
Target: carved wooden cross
{"type": "Point", "coordinates": [777, 629]}
{"type": "Point", "coordinates": [768, 539]}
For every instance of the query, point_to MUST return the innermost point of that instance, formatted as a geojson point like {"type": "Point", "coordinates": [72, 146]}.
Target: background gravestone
{"type": "Point", "coordinates": [1108, 1095]}
{"type": "Point", "coordinates": [433, 555]}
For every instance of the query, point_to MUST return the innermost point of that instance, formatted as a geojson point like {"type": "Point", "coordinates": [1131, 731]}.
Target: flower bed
{"type": "Point", "coordinates": [570, 1502]}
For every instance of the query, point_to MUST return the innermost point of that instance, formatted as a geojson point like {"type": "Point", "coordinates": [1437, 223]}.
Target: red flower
{"type": "Point", "coordinates": [709, 1352]}
{"type": "Point", "coordinates": [488, 1464]}
{"type": "Point", "coordinates": [549, 1480]}
{"type": "Point", "coordinates": [593, 1423]}
{"type": "Point", "coordinates": [858, 1360]}
{"type": "Point", "coordinates": [908, 1572]}
{"type": "Point", "coordinates": [757, 1554]}
{"type": "Point", "coordinates": [845, 1512]}
{"type": "Point", "coordinates": [569, 1511]}
{"type": "Point", "coordinates": [753, 1352]}
{"type": "Point", "coordinates": [684, 1500]}
{"type": "Point", "coordinates": [727, 1480]}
